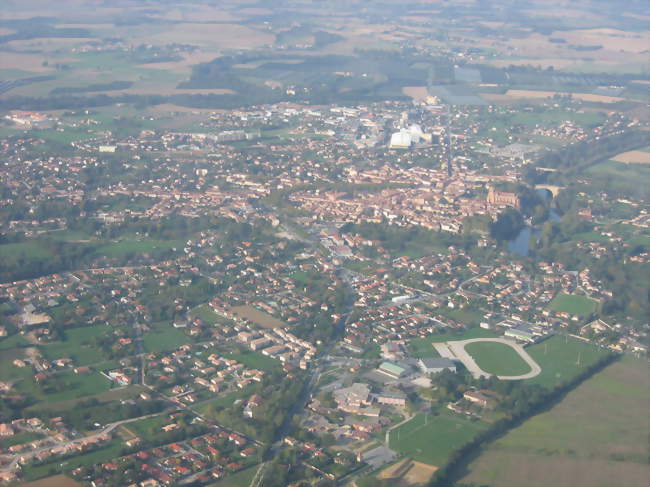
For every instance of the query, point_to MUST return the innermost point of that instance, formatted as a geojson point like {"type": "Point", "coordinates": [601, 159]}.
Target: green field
{"type": "Point", "coordinates": [422, 348]}
{"type": "Point", "coordinates": [110, 451]}
{"type": "Point", "coordinates": [65, 385]}
{"type": "Point", "coordinates": [166, 338]}
{"type": "Point", "coordinates": [562, 358]}
{"type": "Point", "coordinates": [584, 441]}
{"type": "Point", "coordinates": [433, 442]}
{"type": "Point", "coordinates": [497, 358]}
{"type": "Point", "coordinates": [12, 341]}
{"type": "Point", "coordinates": [126, 247]}
{"type": "Point", "coordinates": [78, 345]}
{"type": "Point", "coordinates": [573, 304]}
{"type": "Point", "coordinates": [26, 250]}
{"type": "Point", "coordinates": [224, 400]}
{"type": "Point", "coordinates": [205, 313]}
{"type": "Point", "coordinates": [255, 360]}
{"type": "Point", "coordinates": [149, 428]}
{"type": "Point", "coordinates": [239, 479]}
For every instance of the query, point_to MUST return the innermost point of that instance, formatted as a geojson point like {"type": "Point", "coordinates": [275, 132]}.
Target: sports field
{"type": "Point", "coordinates": [584, 441]}
{"type": "Point", "coordinates": [562, 358]}
{"type": "Point", "coordinates": [573, 304]}
{"type": "Point", "coordinates": [431, 439]}
{"type": "Point", "coordinates": [497, 358]}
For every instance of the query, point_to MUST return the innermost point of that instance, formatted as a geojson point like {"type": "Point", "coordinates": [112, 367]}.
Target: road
{"type": "Point", "coordinates": [458, 349]}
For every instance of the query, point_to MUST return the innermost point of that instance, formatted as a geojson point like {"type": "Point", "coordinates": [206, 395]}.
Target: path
{"type": "Point", "coordinates": [458, 349]}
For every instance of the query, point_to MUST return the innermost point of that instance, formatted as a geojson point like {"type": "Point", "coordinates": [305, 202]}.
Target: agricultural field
{"type": "Point", "coordinates": [497, 358]}
{"type": "Point", "coordinates": [431, 439]}
{"type": "Point", "coordinates": [573, 304]}
{"type": "Point", "coordinates": [641, 156]}
{"type": "Point", "coordinates": [584, 441]}
{"type": "Point", "coordinates": [562, 358]}
{"type": "Point", "coordinates": [55, 481]}
{"type": "Point", "coordinates": [258, 317]}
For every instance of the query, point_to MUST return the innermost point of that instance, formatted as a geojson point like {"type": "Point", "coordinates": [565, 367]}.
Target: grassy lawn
{"type": "Point", "coordinates": [77, 345]}
{"type": "Point", "coordinates": [166, 338]}
{"type": "Point", "coordinates": [126, 247]}
{"type": "Point", "coordinates": [558, 357]}
{"type": "Point", "coordinates": [110, 451]}
{"type": "Point", "coordinates": [422, 348]}
{"type": "Point", "coordinates": [223, 400]}
{"type": "Point", "coordinates": [12, 342]}
{"type": "Point", "coordinates": [433, 442]}
{"type": "Point", "coordinates": [585, 433]}
{"type": "Point", "coordinates": [205, 313]}
{"type": "Point", "coordinates": [242, 478]}
{"type": "Point", "coordinates": [26, 250]}
{"type": "Point", "coordinates": [149, 428]}
{"type": "Point", "coordinates": [68, 385]}
{"type": "Point", "coordinates": [497, 358]}
{"type": "Point", "coordinates": [573, 304]}
{"type": "Point", "coordinates": [255, 360]}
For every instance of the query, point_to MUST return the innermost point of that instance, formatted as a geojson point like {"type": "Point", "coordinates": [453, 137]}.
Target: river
{"type": "Point", "coordinates": [521, 243]}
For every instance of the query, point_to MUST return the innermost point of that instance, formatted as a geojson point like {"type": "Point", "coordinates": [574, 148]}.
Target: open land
{"type": "Point", "coordinates": [584, 441]}
{"type": "Point", "coordinates": [431, 439]}
{"type": "Point", "coordinates": [573, 304]}
{"type": "Point", "coordinates": [258, 317]}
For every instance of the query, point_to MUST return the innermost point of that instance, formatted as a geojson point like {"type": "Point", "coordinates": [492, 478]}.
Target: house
{"type": "Point", "coordinates": [433, 365]}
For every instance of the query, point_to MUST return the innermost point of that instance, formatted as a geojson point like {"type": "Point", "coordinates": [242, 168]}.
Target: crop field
{"type": "Point", "coordinates": [573, 304]}
{"type": "Point", "coordinates": [562, 358]}
{"type": "Point", "coordinates": [55, 481]}
{"type": "Point", "coordinates": [497, 358]}
{"type": "Point", "coordinates": [584, 441]}
{"type": "Point", "coordinates": [634, 157]}
{"type": "Point", "coordinates": [258, 317]}
{"type": "Point", "coordinates": [430, 439]}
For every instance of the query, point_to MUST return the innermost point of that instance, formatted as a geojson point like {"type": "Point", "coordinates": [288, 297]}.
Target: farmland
{"type": "Point", "coordinates": [573, 304]}
{"type": "Point", "coordinates": [431, 439]}
{"type": "Point", "coordinates": [258, 317]}
{"type": "Point", "coordinates": [584, 433]}
{"type": "Point", "coordinates": [497, 358]}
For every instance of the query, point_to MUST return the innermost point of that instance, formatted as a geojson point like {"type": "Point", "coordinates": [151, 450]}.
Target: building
{"type": "Point", "coordinates": [400, 140]}
{"type": "Point", "coordinates": [525, 332]}
{"type": "Point", "coordinates": [391, 399]}
{"type": "Point", "coordinates": [431, 365]}
{"type": "Point", "coordinates": [392, 370]}
{"type": "Point", "coordinates": [481, 398]}
{"type": "Point", "coordinates": [502, 198]}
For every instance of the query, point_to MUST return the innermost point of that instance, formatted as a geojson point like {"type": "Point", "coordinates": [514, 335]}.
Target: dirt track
{"type": "Point", "coordinates": [457, 348]}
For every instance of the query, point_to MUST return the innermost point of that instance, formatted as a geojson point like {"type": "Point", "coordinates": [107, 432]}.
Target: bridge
{"type": "Point", "coordinates": [555, 190]}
